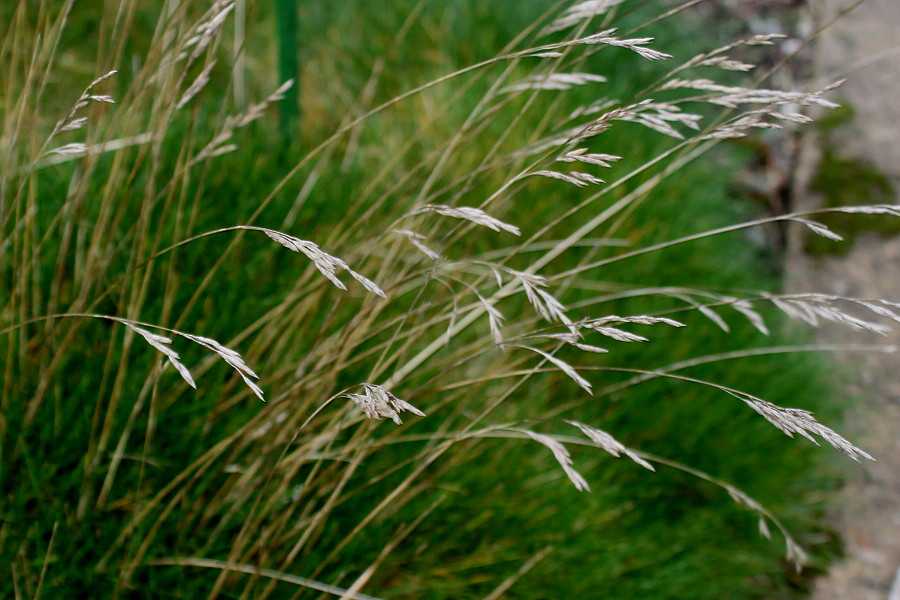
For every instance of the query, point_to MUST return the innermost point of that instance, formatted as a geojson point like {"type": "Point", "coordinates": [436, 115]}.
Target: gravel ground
{"type": "Point", "coordinates": [864, 47]}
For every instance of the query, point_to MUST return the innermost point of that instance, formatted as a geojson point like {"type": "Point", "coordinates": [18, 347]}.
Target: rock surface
{"type": "Point", "coordinates": [862, 46]}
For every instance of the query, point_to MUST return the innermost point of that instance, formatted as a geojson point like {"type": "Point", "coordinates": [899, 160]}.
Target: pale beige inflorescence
{"type": "Point", "coordinates": [377, 403]}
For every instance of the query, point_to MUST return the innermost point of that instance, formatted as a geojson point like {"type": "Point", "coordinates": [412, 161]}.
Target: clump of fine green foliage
{"type": "Point", "coordinates": [118, 478]}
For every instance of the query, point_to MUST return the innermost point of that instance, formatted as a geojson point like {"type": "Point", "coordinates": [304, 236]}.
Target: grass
{"type": "Point", "coordinates": [118, 479]}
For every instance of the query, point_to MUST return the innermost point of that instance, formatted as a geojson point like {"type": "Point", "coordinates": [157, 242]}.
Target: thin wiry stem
{"type": "Point", "coordinates": [247, 569]}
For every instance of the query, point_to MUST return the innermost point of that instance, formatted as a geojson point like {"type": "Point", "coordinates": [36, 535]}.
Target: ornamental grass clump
{"type": "Point", "coordinates": [486, 298]}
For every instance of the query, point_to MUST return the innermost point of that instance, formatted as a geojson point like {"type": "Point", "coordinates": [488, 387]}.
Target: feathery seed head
{"type": "Point", "coordinates": [377, 403]}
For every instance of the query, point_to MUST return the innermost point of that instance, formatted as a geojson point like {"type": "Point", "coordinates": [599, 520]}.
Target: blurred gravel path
{"type": "Point", "coordinates": [864, 47]}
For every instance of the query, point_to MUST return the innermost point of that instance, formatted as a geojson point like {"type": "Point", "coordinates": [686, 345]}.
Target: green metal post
{"type": "Point", "coordinates": [288, 25]}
